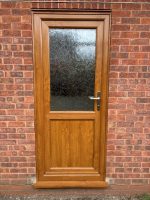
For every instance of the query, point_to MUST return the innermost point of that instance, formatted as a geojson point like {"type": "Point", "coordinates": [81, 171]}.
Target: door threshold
{"type": "Point", "coordinates": [70, 184]}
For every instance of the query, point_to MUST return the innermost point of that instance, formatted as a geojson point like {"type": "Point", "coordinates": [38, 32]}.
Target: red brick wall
{"type": "Point", "coordinates": [128, 145]}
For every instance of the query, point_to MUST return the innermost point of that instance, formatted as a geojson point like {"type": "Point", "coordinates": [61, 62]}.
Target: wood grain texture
{"type": "Point", "coordinates": [71, 145]}
{"type": "Point", "coordinates": [71, 184]}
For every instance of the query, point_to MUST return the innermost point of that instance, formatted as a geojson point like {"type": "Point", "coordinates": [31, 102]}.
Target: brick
{"type": "Point", "coordinates": [144, 62]}
{"type": "Point", "coordinates": [24, 80]}
{"type": "Point", "coordinates": [27, 47]}
{"type": "Point", "coordinates": [129, 34]}
{"type": "Point", "coordinates": [131, 118]}
{"type": "Point", "coordinates": [144, 35]}
{"type": "Point", "coordinates": [6, 80]}
{"type": "Point", "coordinates": [6, 40]}
{"type": "Point", "coordinates": [138, 69]}
{"type": "Point", "coordinates": [130, 20]}
{"type": "Point", "coordinates": [136, 107]}
{"type": "Point", "coordinates": [141, 13]}
{"type": "Point", "coordinates": [26, 19]}
{"type": "Point", "coordinates": [20, 40]}
{"type": "Point", "coordinates": [7, 118]}
{"type": "Point", "coordinates": [18, 159]}
{"type": "Point", "coordinates": [16, 74]}
{"type": "Point", "coordinates": [119, 55]}
{"type": "Point", "coordinates": [7, 130]}
{"type": "Point", "coordinates": [16, 47]}
{"type": "Point", "coordinates": [119, 68]}
{"type": "Point", "coordinates": [139, 55]}
{"type": "Point", "coordinates": [3, 124]}
{"type": "Point", "coordinates": [143, 100]}
{"type": "Point", "coordinates": [12, 60]}
{"type": "Point", "coordinates": [10, 19]}
{"type": "Point", "coordinates": [117, 94]}
{"type": "Point", "coordinates": [131, 6]}
{"type": "Point", "coordinates": [21, 26]}
{"type": "Point", "coordinates": [8, 142]}
{"type": "Point", "coordinates": [120, 27]}
{"type": "Point", "coordinates": [145, 20]}
{"type": "Point", "coordinates": [21, 12]}
{"type": "Point", "coordinates": [16, 124]}
{"type": "Point", "coordinates": [116, 20]}
{"type": "Point", "coordinates": [24, 93]}
{"type": "Point", "coordinates": [120, 42]}
{"type": "Point", "coordinates": [126, 87]}
{"type": "Point", "coordinates": [22, 54]}
{"type": "Point", "coordinates": [130, 62]}
{"type": "Point", "coordinates": [116, 6]}
{"type": "Point", "coordinates": [1, 74]}
{"type": "Point", "coordinates": [126, 100]}
{"type": "Point", "coordinates": [129, 48]}
{"type": "Point", "coordinates": [24, 5]}
{"type": "Point", "coordinates": [2, 99]}
{"type": "Point", "coordinates": [139, 41]}
{"type": "Point", "coordinates": [5, 12]}
{"type": "Point", "coordinates": [139, 181]}
{"type": "Point", "coordinates": [5, 54]}
{"type": "Point", "coordinates": [14, 87]}
{"type": "Point", "coordinates": [5, 26]}
{"type": "Point", "coordinates": [139, 28]}
{"type": "Point", "coordinates": [28, 74]}
{"type": "Point", "coordinates": [6, 4]}
{"type": "Point", "coordinates": [115, 34]}
{"type": "Point", "coordinates": [3, 136]}
{"type": "Point", "coordinates": [146, 48]}
{"type": "Point", "coordinates": [21, 170]}
{"type": "Point", "coordinates": [28, 61]}
{"type": "Point", "coordinates": [16, 136]}
{"type": "Point", "coordinates": [117, 106]}
{"type": "Point", "coordinates": [121, 13]}
{"type": "Point", "coordinates": [114, 61]}
{"type": "Point", "coordinates": [26, 34]}
{"type": "Point", "coordinates": [9, 33]}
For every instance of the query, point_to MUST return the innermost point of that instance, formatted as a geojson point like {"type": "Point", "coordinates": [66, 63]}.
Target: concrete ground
{"type": "Point", "coordinates": [9, 192]}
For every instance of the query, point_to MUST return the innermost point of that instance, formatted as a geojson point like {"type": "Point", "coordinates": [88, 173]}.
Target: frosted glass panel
{"type": "Point", "coordinates": [72, 69]}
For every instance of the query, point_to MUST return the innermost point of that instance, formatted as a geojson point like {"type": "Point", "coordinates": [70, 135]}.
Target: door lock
{"type": "Point", "coordinates": [98, 98]}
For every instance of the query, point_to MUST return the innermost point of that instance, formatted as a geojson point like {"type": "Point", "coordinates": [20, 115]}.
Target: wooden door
{"type": "Point", "coordinates": [71, 66]}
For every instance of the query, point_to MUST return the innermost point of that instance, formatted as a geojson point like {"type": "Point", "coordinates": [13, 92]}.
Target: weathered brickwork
{"type": "Point", "coordinates": [128, 137]}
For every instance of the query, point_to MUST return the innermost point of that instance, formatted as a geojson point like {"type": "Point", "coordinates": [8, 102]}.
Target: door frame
{"type": "Point", "coordinates": [39, 17]}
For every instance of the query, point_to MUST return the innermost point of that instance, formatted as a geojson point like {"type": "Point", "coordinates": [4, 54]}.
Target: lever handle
{"type": "Point", "coordinates": [98, 98]}
{"type": "Point", "coordinates": [94, 98]}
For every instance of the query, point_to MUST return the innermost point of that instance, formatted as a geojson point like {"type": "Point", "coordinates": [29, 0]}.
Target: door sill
{"type": "Point", "coordinates": [70, 184]}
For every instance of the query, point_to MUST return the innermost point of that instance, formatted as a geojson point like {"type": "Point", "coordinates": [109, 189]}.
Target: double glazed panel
{"type": "Point", "coordinates": [72, 69]}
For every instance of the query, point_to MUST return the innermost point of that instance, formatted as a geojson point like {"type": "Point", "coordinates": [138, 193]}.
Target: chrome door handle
{"type": "Point", "coordinates": [94, 98]}
{"type": "Point", "coordinates": [98, 98]}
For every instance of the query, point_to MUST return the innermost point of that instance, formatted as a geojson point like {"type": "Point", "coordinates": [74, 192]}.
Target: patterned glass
{"type": "Point", "coordinates": [72, 69]}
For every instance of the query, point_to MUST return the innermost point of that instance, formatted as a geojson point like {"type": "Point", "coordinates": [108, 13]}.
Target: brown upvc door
{"type": "Point", "coordinates": [71, 67]}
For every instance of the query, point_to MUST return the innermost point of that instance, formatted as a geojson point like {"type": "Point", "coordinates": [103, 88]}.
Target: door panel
{"type": "Point", "coordinates": [70, 56]}
{"type": "Point", "coordinates": [71, 143]}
